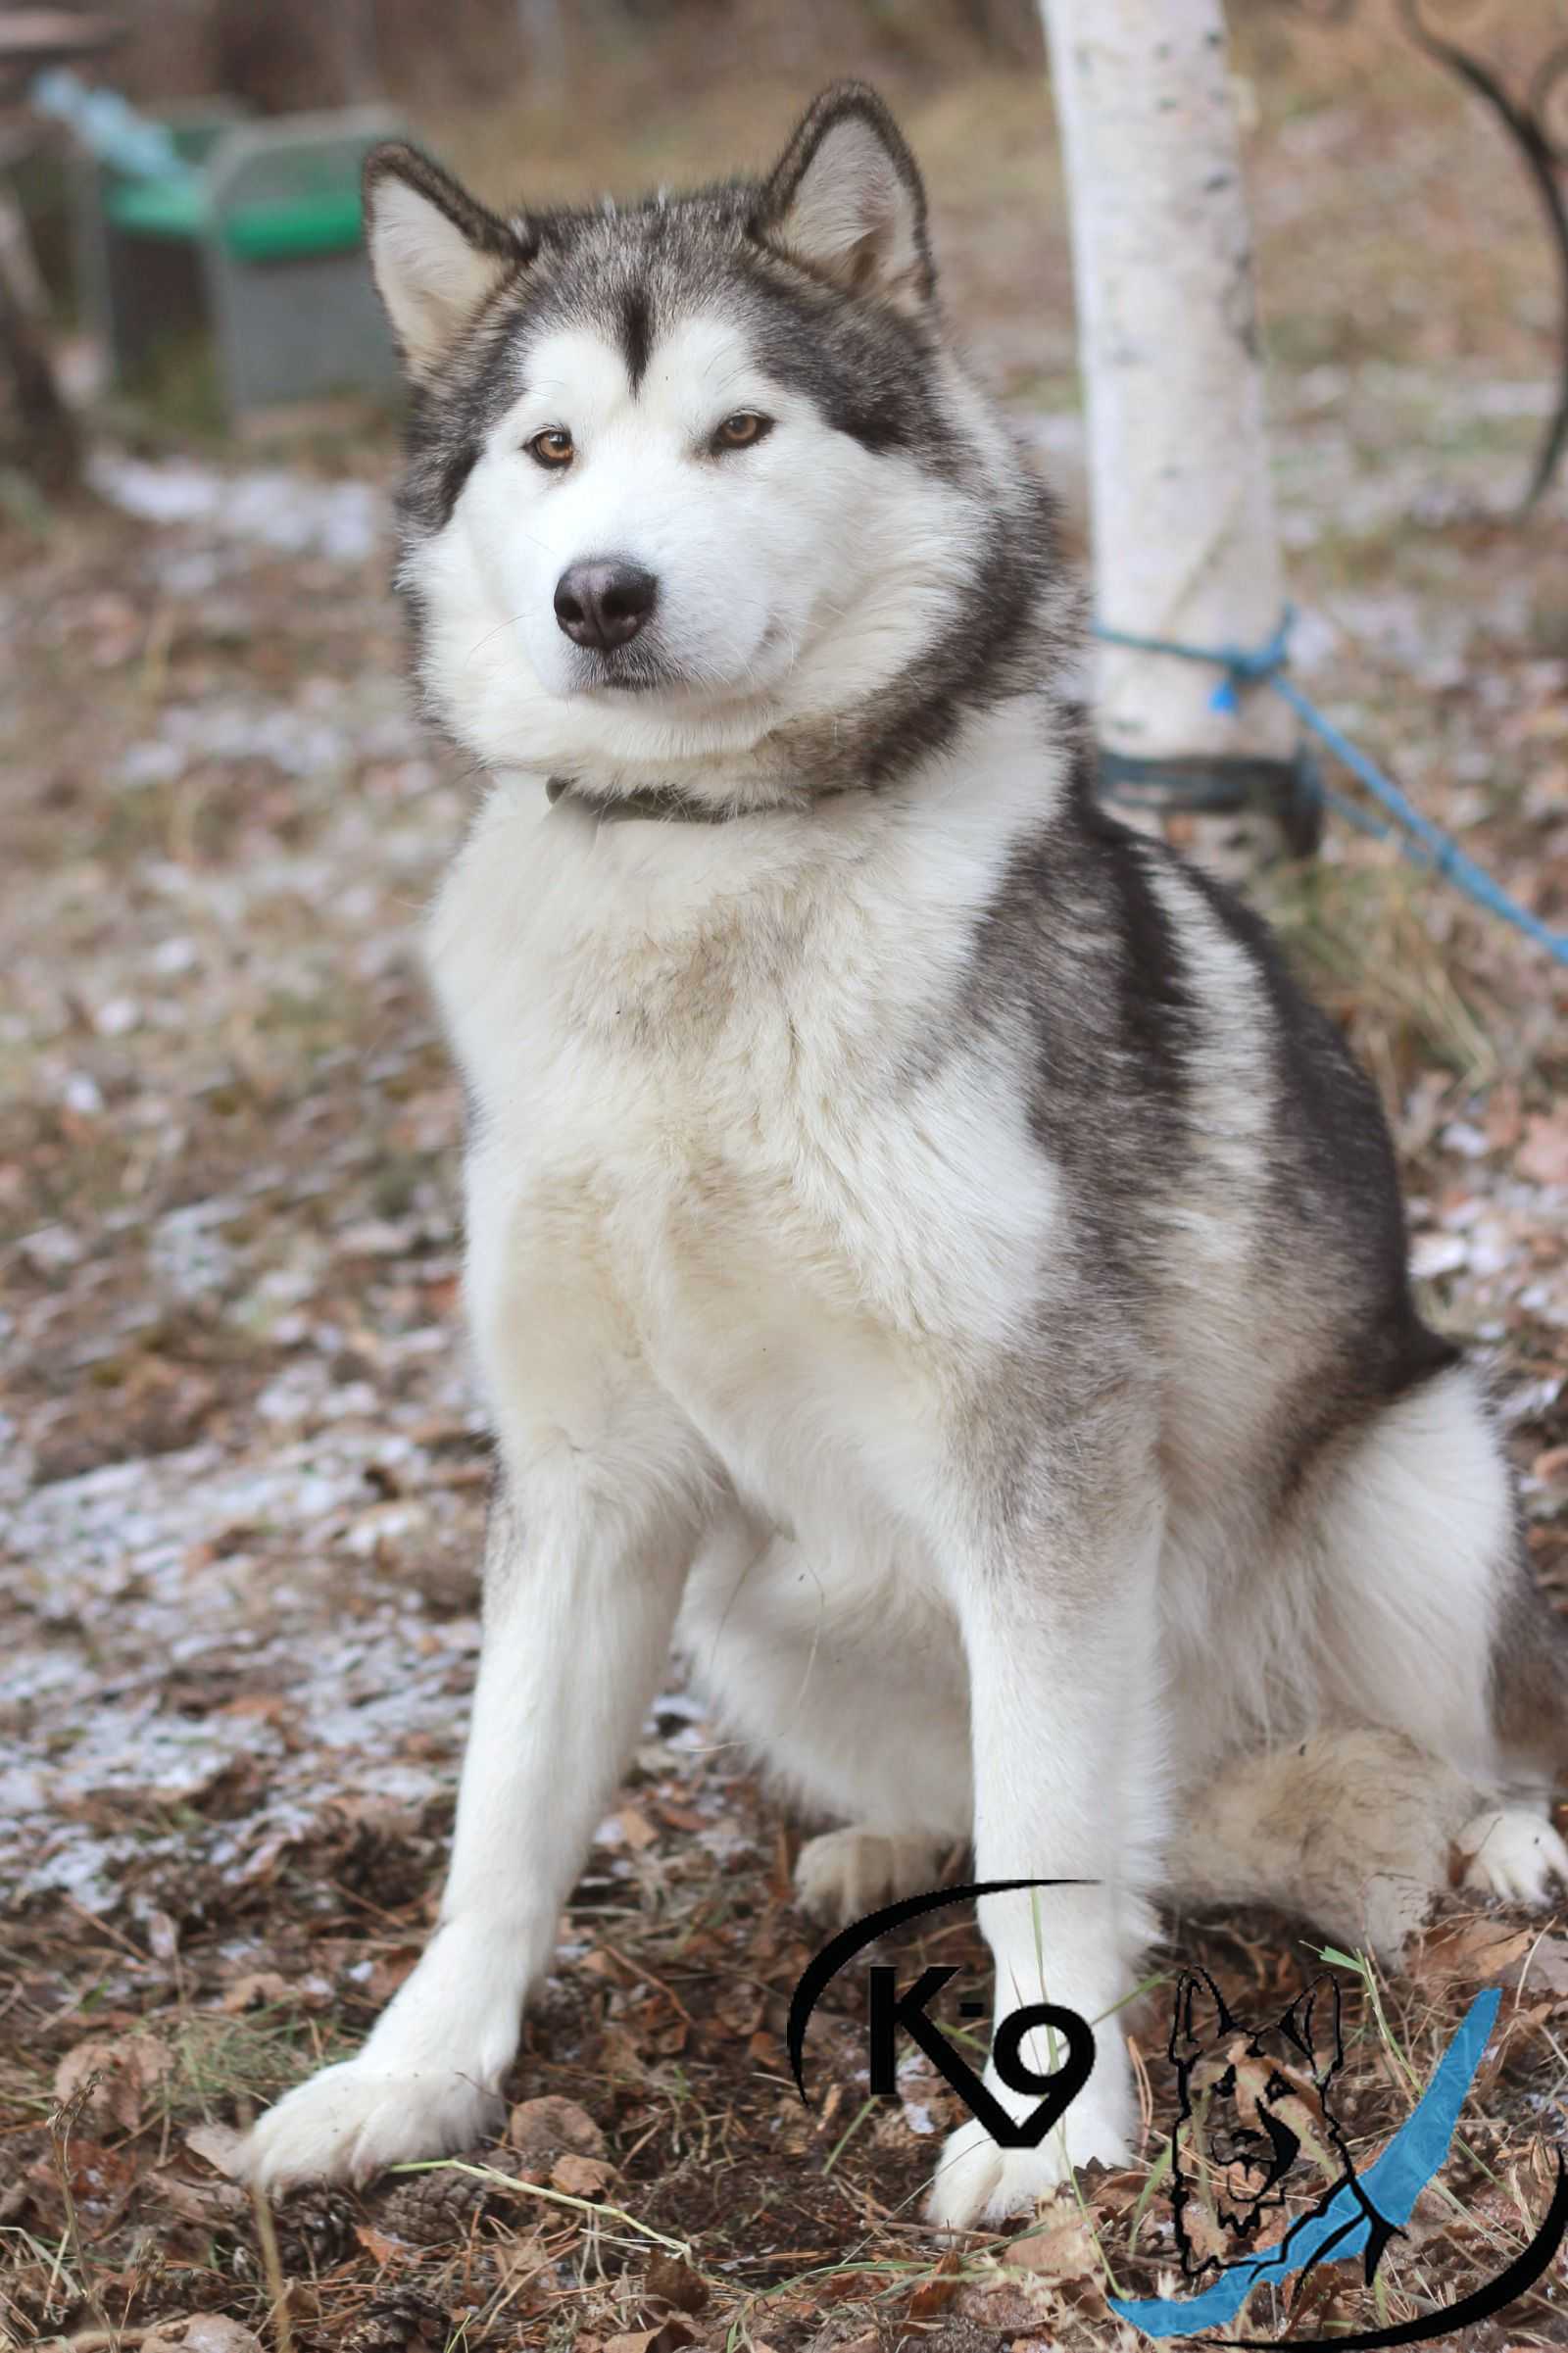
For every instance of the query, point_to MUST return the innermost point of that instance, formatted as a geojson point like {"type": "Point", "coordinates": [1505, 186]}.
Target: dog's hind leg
{"type": "Point", "coordinates": [840, 1875]}
{"type": "Point", "coordinates": [1530, 1683]}
{"type": "Point", "coordinates": [1349, 1829]}
{"type": "Point", "coordinates": [1430, 1626]}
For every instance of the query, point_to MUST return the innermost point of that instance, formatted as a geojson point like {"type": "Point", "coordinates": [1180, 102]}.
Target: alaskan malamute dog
{"type": "Point", "coordinates": [923, 1253]}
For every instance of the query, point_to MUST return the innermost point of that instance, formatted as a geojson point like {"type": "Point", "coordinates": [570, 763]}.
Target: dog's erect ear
{"type": "Point", "coordinates": [1312, 2023]}
{"type": "Point", "coordinates": [1201, 2022]}
{"type": "Point", "coordinates": [435, 254]}
{"type": "Point", "coordinates": [846, 200]}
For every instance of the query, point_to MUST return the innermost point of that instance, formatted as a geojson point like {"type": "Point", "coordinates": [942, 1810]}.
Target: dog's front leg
{"type": "Point", "coordinates": [1058, 1628]}
{"type": "Point", "coordinates": [582, 1580]}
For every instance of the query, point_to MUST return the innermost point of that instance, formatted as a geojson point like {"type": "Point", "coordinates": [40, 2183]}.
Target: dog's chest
{"type": "Point", "coordinates": [747, 1129]}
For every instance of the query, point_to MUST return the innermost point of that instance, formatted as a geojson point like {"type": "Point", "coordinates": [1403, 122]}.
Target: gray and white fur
{"type": "Point", "coordinates": [924, 1255]}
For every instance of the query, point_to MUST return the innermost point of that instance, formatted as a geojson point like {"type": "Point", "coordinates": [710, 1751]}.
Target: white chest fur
{"type": "Point", "coordinates": [734, 1127]}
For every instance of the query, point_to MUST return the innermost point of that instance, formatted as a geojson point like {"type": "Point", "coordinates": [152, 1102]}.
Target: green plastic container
{"type": "Point", "coordinates": [318, 220]}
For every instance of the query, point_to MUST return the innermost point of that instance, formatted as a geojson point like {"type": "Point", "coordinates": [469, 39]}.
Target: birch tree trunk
{"type": "Point", "coordinates": [1185, 543]}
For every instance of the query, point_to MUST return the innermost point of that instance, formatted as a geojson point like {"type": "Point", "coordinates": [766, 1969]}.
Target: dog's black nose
{"type": "Point", "coordinates": [604, 604]}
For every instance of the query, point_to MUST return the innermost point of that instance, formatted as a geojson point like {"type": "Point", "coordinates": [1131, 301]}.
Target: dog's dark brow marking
{"type": "Point", "coordinates": [454, 476]}
{"type": "Point", "coordinates": [636, 334]}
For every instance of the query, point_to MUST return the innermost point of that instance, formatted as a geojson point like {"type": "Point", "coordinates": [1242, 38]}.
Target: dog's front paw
{"type": "Point", "coordinates": [350, 2122]}
{"type": "Point", "coordinates": [847, 1872]}
{"type": "Point", "coordinates": [1514, 1853]}
{"type": "Point", "coordinates": [976, 2182]}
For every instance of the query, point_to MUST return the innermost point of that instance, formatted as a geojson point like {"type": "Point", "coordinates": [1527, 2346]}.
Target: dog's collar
{"type": "Point", "coordinates": [665, 801]}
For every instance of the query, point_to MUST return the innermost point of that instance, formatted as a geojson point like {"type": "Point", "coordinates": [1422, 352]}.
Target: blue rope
{"type": "Point", "coordinates": [110, 127]}
{"type": "Point", "coordinates": [1426, 844]}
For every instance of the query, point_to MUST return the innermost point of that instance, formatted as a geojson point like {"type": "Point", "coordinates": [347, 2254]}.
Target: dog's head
{"type": "Point", "coordinates": [1252, 2101]}
{"type": "Point", "coordinates": [693, 475]}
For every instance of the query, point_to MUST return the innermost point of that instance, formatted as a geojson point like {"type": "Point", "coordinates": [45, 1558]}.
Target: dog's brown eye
{"type": "Point", "coordinates": [554, 448]}
{"type": "Point", "coordinates": [738, 432]}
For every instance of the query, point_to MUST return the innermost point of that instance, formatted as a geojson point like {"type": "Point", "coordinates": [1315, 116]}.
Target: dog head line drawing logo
{"type": "Point", "coordinates": [1252, 2102]}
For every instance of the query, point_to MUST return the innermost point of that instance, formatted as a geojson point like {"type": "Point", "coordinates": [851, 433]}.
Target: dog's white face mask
{"type": "Point", "coordinates": [676, 566]}
{"type": "Point", "coordinates": [669, 538]}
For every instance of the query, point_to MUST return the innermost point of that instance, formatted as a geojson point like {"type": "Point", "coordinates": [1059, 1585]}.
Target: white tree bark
{"type": "Point", "coordinates": [1185, 543]}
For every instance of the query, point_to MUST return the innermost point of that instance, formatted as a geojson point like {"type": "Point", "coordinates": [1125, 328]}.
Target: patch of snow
{"type": "Point", "coordinates": [292, 512]}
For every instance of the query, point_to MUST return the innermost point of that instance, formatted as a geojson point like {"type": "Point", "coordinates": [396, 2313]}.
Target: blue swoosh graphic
{"type": "Point", "coordinates": [1341, 2226]}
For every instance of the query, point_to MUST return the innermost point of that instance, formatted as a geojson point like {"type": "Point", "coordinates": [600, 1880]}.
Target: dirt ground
{"type": "Point", "coordinates": [244, 1476]}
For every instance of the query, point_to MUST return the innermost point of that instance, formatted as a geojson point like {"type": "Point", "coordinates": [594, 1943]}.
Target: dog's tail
{"type": "Point", "coordinates": [1529, 1686]}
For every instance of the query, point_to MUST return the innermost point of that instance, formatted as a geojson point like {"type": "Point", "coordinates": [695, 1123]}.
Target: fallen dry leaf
{"type": "Point", "coordinates": [99, 2178]}
{"type": "Point", "coordinates": [202, 2332]}
{"type": "Point", "coordinates": [1543, 1156]}
{"type": "Point", "coordinates": [553, 2124]}
{"type": "Point", "coordinates": [668, 2338]}
{"type": "Point", "coordinates": [679, 1817]}
{"type": "Point", "coordinates": [218, 2146]}
{"type": "Point", "coordinates": [1026, 2302]}
{"type": "Point", "coordinates": [933, 2295]}
{"type": "Point", "coordinates": [674, 2282]}
{"type": "Point", "coordinates": [1544, 1969]}
{"type": "Point", "coordinates": [389, 1970]}
{"type": "Point", "coordinates": [1063, 2250]}
{"type": "Point", "coordinates": [580, 2177]}
{"type": "Point", "coordinates": [206, 2202]}
{"type": "Point", "coordinates": [376, 2244]}
{"type": "Point", "coordinates": [1472, 1952]}
{"type": "Point", "coordinates": [259, 1986]}
{"type": "Point", "coordinates": [111, 2075]}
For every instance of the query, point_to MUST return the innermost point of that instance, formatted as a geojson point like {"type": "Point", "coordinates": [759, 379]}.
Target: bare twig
{"type": "Point", "coordinates": [553, 2197]}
